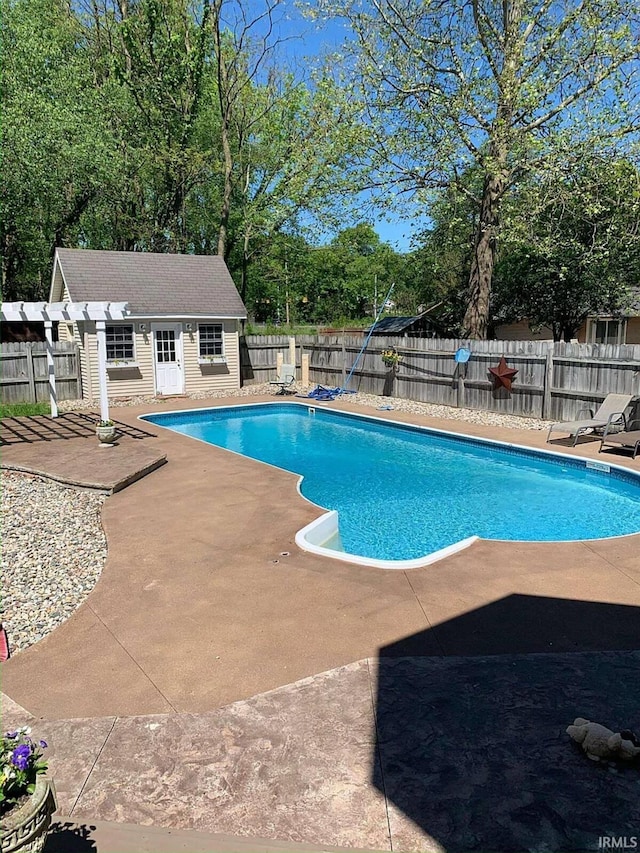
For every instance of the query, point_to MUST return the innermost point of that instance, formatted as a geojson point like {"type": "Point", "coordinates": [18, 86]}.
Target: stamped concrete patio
{"type": "Point", "coordinates": [438, 720]}
{"type": "Point", "coordinates": [65, 450]}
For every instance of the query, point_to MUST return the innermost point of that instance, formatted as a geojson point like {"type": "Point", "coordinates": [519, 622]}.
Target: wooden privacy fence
{"type": "Point", "coordinates": [24, 376]}
{"type": "Point", "coordinates": [554, 380]}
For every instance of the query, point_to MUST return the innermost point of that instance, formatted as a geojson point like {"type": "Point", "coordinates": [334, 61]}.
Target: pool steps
{"type": "Point", "coordinates": [322, 537]}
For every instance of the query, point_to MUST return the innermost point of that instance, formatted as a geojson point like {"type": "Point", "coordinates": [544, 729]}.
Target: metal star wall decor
{"type": "Point", "coordinates": [503, 375]}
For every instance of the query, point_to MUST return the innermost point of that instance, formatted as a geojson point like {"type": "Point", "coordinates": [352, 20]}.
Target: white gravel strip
{"type": "Point", "coordinates": [375, 401]}
{"type": "Point", "coordinates": [53, 551]}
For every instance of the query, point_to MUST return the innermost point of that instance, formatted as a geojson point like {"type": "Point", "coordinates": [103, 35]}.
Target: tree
{"type": "Point", "coordinates": [283, 141]}
{"type": "Point", "coordinates": [56, 148]}
{"type": "Point", "coordinates": [352, 274]}
{"type": "Point", "coordinates": [345, 279]}
{"type": "Point", "coordinates": [507, 87]}
{"type": "Point", "coordinates": [573, 247]}
{"type": "Point", "coordinates": [438, 270]}
{"type": "Point", "coordinates": [150, 61]}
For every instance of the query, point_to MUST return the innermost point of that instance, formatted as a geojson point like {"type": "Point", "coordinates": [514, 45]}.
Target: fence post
{"type": "Point", "coordinates": [344, 362]}
{"type": "Point", "coordinates": [31, 373]}
{"type": "Point", "coordinates": [51, 370]}
{"type": "Point", "coordinates": [305, 368]}
{"type": "Point", "coordinates": [548, 383]}
{"type": "Point", "coordinates": [79, 388]}
{"type": "Point", "coordinates": [460, 395]}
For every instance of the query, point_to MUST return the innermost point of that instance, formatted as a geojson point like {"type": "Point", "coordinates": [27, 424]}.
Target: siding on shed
{"type": "Point", "coordinates": [218, 377]}
{"type": "Point", "coordinates": [121, 382]}
{"type": "Point", "coordinates": [140, 380]}
{"type": "Point", "coordinates": [73, 332]}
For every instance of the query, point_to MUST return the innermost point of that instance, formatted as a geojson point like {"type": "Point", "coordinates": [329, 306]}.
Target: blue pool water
{"type": "Point", "coordinates": [403, 492]}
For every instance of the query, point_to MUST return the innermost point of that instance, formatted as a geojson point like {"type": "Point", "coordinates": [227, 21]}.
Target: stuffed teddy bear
{"type": "Point", "coordinates": [600, 743]}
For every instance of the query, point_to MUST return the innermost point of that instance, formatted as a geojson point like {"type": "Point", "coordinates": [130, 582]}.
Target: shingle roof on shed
{"type": "Point", "coordinates": [153, 284]}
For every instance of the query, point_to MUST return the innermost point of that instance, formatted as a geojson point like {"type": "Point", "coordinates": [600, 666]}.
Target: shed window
{"type": "Point", "coordinates": [120, 346]}
{"type": "Point", "coordinates": [210, 339]}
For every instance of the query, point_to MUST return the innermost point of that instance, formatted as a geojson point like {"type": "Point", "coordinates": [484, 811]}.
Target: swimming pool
{"type": "Point", "coordinates": [401, 496]}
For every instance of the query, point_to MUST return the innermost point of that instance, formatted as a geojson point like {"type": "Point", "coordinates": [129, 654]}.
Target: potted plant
{"type": "Point", "coordinates": [106, 432]}
{"type": "Point", "coordinates": [391, 357]}
{"type": "Point", "coordinates": [27, 797]}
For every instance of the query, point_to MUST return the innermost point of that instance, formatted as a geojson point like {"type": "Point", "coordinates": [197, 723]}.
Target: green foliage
{"type": "Point", "coordinates": [508, 89]}
{"type": "Point", "coordinates": [573, 246]}
{"type": "Point", "coordinates": [569, 246]}
{"type": "Point", "coordinates": [23, 410]}
{"type": "Point", "coordinates": [341, 281]}
{"type": "Point", "coordinates": [439, 266]}
{"type": "Point", "coordinates": [157, 125]}
{"type": "Point", "coordinates": [56, 150]}
{"type": "Point", "coordinates": [152, 63]}
{"type": "Point", "coordinates": [20, 763]}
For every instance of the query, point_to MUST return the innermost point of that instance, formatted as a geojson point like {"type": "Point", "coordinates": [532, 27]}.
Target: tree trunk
{"type": "Point", "coordinates": [8, 292]}
{"type": "Point", "coordinates": [226, 192]}
{"type": "Point", "coordinates": [245, 267]}
{"type": "Point", "coordinates": [476, 318]}
{"type": "Point", "coordinates": [225, 102]}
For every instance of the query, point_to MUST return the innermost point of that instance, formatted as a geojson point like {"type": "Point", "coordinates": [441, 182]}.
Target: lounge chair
{"type": "Point", "coordinates": [628, 439]}
{"type": "Point", "coordinates": [286, 378]}
{"type": "Point", "coordinates": [611, 412]}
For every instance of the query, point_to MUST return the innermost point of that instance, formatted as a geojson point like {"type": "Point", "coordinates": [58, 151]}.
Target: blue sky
{"type": "Point", "coordinates": [308, 40]}
{"type": "Point", "coordinates": [398, 234]}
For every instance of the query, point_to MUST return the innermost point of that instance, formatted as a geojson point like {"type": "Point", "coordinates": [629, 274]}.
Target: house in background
{"type": "Point", "coordinates": [181, 335]}
{"type": "Point", "coordinates": [621, 328]}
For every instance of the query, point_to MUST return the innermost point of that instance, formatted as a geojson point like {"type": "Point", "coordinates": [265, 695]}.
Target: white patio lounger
{"type": "Point", "coordinates": [610, 411]}
{"type": "Point", "coordinates": [286, 378]}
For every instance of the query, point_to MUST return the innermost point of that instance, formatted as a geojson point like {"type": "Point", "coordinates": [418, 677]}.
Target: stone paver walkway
{"type": "Point", "coordinates": [413, 754]}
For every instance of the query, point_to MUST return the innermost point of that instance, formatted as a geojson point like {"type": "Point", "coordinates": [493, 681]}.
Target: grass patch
{"type": "Point", "coordinates": [337, 326]}
{"type": "Point", "coordinates": [23, 410]}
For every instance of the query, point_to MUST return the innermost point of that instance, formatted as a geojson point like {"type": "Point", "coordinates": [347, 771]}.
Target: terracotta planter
{"type": "Point", "coordinates": [106, 435]}
{"type": "Point", "coordinates": [24, 830]}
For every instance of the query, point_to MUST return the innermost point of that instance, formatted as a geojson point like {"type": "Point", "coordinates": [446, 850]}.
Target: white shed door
{"type": "Point", "coordinates": [167, 351]}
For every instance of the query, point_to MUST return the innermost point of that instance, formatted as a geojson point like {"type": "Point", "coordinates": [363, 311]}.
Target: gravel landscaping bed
{"type": "Point", "coordinates": [375, 401]}
{"type": "Point", "coordinates": [53, 551]}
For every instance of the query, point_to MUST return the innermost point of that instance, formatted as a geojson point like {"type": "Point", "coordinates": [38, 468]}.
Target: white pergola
{"type": "Point", "coordinates": [69, 312]}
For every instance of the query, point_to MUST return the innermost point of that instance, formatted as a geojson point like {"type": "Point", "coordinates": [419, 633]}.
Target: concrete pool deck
{"type": "Point", "coordinates": [218, 679]}
{"type": "Point", "coordinates": [197, 607]}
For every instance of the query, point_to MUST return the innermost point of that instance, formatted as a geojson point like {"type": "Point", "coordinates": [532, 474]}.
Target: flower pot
{"type": "Point", "coordinates": [106, 435]}
{"type": "Point", "coordinates": [25, 829]}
